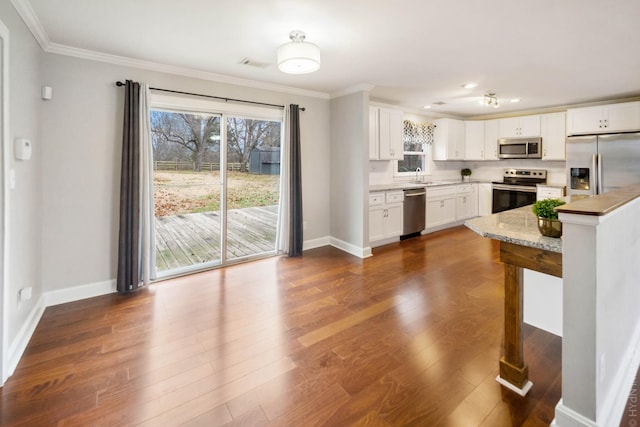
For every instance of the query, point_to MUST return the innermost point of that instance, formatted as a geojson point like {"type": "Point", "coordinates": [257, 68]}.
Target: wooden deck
{"type": "Point", "coordinates": [190, 239]}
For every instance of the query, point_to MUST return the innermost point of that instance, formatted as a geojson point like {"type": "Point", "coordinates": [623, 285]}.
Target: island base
{"type": "Point", "coordinates": [521, 391]}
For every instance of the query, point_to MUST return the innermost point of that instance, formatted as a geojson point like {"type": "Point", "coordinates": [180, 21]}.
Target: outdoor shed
{"type": "Point", "coordinates": [265, 161]}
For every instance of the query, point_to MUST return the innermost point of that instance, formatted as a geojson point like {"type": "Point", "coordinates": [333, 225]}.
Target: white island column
{"type": "Point", "coordinates": [601, 316]}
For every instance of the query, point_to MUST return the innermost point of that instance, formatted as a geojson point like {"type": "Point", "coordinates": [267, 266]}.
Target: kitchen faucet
{"type": "Point", "coordinates": [418, 170]}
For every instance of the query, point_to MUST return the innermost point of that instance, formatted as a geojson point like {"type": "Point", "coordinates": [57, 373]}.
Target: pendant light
{"type": "Point", "coordinates": [298, 56]}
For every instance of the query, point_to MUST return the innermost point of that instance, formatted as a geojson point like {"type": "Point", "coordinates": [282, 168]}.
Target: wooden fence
{"type": "Point", "coordinates": [173, 165]}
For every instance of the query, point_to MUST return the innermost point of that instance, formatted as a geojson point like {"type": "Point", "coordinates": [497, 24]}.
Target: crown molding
{"type": "Point", "coordinates": [363, 87]}
{"type": "Point", "coordinates": [26, 12]}
{"type": "Point", "coordinates": [177, 70]}
{"type": "Point", "coordinates": [24, 9]}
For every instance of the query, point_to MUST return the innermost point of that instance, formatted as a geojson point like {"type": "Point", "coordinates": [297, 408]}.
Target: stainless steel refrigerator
{"type": "Point", "coordinates": [599, 164]}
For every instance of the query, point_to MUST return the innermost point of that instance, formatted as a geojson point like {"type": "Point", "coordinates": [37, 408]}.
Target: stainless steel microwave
{"type": "Point", "coordinates": [520, 148]}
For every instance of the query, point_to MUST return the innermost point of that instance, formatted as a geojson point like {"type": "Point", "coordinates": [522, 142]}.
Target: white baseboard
{"type": "Point", "coordinates": [521, 391]}
{"type": "Point", "coordinates": [566, 417]}
{"type": "Point", "coordinates": [349, 248]}
{"type": "Point", "coordinates": [76, 293]}
{"type": "Point", "coordinates": [61, 296]}
{"type": "Point", "coordinates": [383, 242]}
{"type": "Point", "coordinates": [444, 226]}
{"type": "Point", "coordinates": [19, 344]}
{"type": "Point", "coordinates": [612, 409]}
{"type": "Point", "coordinates": [337, 243]}
{"type": "Point", "coordinates": [316, 243]}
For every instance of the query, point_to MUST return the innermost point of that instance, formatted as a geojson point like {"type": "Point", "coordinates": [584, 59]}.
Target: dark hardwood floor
{"type": "Point", "coordinates": [409, 337]}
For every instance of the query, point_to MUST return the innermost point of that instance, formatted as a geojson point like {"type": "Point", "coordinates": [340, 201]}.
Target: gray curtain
{"type": "Point", "coordinates": [295, 234]}
{"type": "Point", "coordinates": [129, 238]}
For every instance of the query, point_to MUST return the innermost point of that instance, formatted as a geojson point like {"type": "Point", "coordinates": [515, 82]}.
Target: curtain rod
{"type": "Point", "coordinates": [213, 97]}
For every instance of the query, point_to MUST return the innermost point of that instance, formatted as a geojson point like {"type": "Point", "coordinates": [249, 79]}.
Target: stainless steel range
{"type": "Point", "coordinates": [517, 188]}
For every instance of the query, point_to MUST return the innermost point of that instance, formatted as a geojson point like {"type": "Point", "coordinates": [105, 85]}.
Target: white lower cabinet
{"type": "Point", "coordinates": [385, 215]}
{"type": "Point", "coordinates": [441, 206]}
{"type": "Point", "coordinates": [549, 192]}
{"type": "Point", "coordinates": [466, 201]}
{"type": "Point", "coordinates": [451, 203]}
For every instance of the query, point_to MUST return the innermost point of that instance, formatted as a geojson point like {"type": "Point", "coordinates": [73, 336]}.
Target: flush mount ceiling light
{"type": "Point", "coordinates": [490, 100]}
{"type": "Point", "coordinates": [298, 56]}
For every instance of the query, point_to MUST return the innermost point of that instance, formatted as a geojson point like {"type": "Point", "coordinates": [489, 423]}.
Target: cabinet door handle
{"type": "Point", "coordinates": [606, 123]}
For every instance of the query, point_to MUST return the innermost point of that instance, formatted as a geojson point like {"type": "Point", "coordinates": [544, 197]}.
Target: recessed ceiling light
{"type": "Point", "coordinates": [470, 85]}
{"type": "Point", "coordinates": [426, 107]}
{"type": "Point", "coordinates": [515, 100]}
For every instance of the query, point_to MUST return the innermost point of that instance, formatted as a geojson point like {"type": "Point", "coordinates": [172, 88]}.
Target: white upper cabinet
{"type": "Point", "coordinates": [441, 206]}
{"type": "Point", "coordinates": [552, 131]}
{"type": "Point", "coordinates": [481, 140]}
{"type": "Point", "coordinates": [622, 117]}
{"type": "Point", "coordinates": [515, 127]}
{"type": "Point", "coordinates": [491, 139]}
{"type": "Point", "coordinates": [448, 140]}
{"type": "Point", "coordinates": [474, 140]}
{"type": "Point", "coordinates": [385, 134]}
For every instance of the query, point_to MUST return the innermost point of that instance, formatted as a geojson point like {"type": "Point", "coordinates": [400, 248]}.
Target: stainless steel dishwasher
{"type": "Point", "coordinates": [413, 211]}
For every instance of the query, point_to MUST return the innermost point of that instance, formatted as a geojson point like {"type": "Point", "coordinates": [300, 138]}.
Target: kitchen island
{"type": "Point", "coordinates": [521, 246]}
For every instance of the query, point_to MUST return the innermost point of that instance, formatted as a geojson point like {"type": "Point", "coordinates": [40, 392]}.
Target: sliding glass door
{"type": "Point", "coordinates": [216, 188]}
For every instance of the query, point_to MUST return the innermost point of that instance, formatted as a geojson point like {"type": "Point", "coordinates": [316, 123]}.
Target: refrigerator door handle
{"type": "Point", "coordinates": [594, 174]}
{"type": "Point", "coordinates": [599, 176]}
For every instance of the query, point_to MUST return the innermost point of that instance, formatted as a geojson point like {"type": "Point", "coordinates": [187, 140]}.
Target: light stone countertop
{"type": "Point", "coordinates": [426, 184]}
{"type": "Point", "coordinates": [518, 226]}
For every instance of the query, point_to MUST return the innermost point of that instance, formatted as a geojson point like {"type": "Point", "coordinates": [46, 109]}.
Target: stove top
{"type": "Point", "coordinates": [529, 177]}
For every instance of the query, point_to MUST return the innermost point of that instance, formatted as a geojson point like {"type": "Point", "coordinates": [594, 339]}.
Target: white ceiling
{"type": "Point", "coordinates": [550, 53]}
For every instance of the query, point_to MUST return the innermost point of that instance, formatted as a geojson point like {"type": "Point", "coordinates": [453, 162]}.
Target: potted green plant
{"type": "Point", "coordinates": [548, 222]}
{"type": "Point", "coordinates": [466, 173]}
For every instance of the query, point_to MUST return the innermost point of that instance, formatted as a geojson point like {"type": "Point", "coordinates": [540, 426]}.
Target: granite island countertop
{"type": "Point", "coordinates": [518, 226]}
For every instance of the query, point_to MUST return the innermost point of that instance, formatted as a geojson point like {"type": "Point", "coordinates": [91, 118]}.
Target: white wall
{"type": "Point", "coordinates": [349, 173]}
{"type": "Point", "coordinates": [25, 201]}
{"type": "Point", "coordinates": [82, 151]}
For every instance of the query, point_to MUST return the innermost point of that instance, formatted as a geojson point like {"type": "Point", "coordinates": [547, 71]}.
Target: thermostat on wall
{"type": "Point", "coordinates": [22, 148]}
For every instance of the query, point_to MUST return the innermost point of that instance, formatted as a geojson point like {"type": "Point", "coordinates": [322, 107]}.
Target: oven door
{"type": "Point", "coordinates": [507, 197]}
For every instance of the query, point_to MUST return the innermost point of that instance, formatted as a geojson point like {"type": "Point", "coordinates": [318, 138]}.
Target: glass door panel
{"type": "Point", "coordinates": [186, 154]}
{"type": "Point", "coordinates": [252, 186]}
